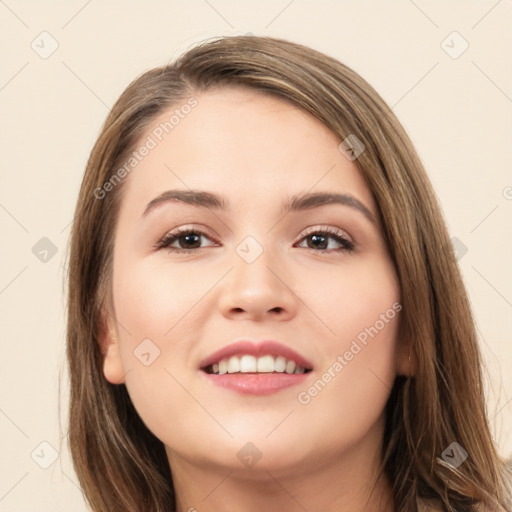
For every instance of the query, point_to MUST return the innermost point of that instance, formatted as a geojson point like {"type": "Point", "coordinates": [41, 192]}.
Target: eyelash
{"type": "Point", "coordinates": [168, 239]}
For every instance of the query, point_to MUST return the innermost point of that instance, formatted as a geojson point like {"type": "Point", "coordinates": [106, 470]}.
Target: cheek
{"type": "Point", "coordinates": [351, 298]}
{"type": "Point", "coordinates": [159, 306]}
{"type": "Point", "coordinates": [349, 394]}
{"type": "Point", "coordinates": [155, 298]}
{"type": "Point", "coordinates": [360, 311]}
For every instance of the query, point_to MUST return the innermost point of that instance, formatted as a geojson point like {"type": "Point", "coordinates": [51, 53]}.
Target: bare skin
{"type": "Point", "coordinates": [317, 453]}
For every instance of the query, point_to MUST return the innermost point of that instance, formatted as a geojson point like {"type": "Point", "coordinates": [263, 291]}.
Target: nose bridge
{"type": "Point", "coordinates": [256, 284]}
{"type": "Point", "coordinates": [253, 263]}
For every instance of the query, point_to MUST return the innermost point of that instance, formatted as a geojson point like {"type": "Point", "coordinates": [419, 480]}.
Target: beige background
{"type": "Point", "coordinates": [458, 112]}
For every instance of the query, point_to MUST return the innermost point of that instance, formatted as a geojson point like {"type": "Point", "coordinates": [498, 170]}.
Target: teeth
{"type": "Point", "coordinates": [248, 364]}
{"type": "Point", "coordinates": [251, 364]}
{"type": "Point", "coordinates": [233, 365]}
{"type": "Point", "coordinates": [265, 364]}
{"type": "Point", "coordinates": [280, 364]}
{"type": "Point", "coordinates": [290, 366]}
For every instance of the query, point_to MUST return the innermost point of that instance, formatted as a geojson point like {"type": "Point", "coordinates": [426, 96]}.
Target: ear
{"type": "Point", "coordinates": [113, 367]}
{"type": "Point", "coordinates": [406, 362]}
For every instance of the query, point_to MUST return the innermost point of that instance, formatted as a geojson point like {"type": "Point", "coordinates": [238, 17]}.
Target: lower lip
{"type": "Point", "coordinates": [256, 383]}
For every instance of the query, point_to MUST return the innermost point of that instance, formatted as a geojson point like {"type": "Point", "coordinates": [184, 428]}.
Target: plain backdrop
{"type": "Point", "coordinates": [443, 67]}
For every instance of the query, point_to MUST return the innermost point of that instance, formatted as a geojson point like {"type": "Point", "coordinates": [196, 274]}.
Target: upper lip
{"type": "Point", "coordinates": [261, 348]}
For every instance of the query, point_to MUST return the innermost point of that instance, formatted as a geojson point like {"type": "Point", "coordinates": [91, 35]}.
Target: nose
{"type": "Point", "coordinates": [259, 290]}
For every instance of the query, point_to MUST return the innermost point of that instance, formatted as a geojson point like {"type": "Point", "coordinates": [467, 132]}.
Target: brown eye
{"type": "Point", "coordinates": [188, 240]}
{"type": "Point", "coordinates": [318, 240]}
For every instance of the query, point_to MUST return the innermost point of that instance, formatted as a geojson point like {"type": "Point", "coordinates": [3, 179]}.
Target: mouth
{"type": "Point", "coordinates": [249, 364]}
{"type": "Point", "coordinates": [255, 368]}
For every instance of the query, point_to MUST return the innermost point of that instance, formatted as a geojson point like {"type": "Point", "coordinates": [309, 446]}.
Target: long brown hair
{"type": "Point", "coordinates": [120, 464]}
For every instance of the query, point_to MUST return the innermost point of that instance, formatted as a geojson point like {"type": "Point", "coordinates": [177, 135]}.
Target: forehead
{"type": "Point", "coordinates": [244, 144]}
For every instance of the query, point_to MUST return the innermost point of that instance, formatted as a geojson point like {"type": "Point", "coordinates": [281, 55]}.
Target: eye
{"type": "Point", "coordinates": [320, 240]}
{"type": "Point", "coordinates": [189, 240]}
{"type": "Point", "coordinates": [188, 237]}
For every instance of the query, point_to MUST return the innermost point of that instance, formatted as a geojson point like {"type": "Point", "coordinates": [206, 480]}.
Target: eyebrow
{"type": "Point", "coordinates": [299, 202]}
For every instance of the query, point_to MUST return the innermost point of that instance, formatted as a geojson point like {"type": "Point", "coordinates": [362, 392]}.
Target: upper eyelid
{"type": "Point", "coordinates": [331, 230]}
{"type": "Point", "coordinates": [204, 231]}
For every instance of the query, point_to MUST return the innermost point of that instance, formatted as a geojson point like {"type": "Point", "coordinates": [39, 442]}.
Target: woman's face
{"type": "Point", "coordinates": [255, 270]}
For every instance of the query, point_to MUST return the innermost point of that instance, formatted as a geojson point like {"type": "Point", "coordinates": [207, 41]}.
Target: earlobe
{"type": "Point", "coordinates": [406, 360]}
{"type": "Point", "coordinates": [113, 367]}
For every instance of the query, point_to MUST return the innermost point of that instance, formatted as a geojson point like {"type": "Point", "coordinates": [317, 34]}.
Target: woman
{"type": "Point", "coordinates": [265, 311]}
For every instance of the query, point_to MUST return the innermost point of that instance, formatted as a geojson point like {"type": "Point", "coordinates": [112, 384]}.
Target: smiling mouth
{"type": "Point", "coordinates": [249, 364]}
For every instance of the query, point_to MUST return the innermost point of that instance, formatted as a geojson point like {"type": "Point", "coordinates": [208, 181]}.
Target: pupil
{"type": "Point", "coordinates": [316, 238]}
{"type": "Point", "coordinates": [188, 236]}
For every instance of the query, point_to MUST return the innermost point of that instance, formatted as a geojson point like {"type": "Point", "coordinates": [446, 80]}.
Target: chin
{"type": "Point", "coordinates": [251, 455]}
